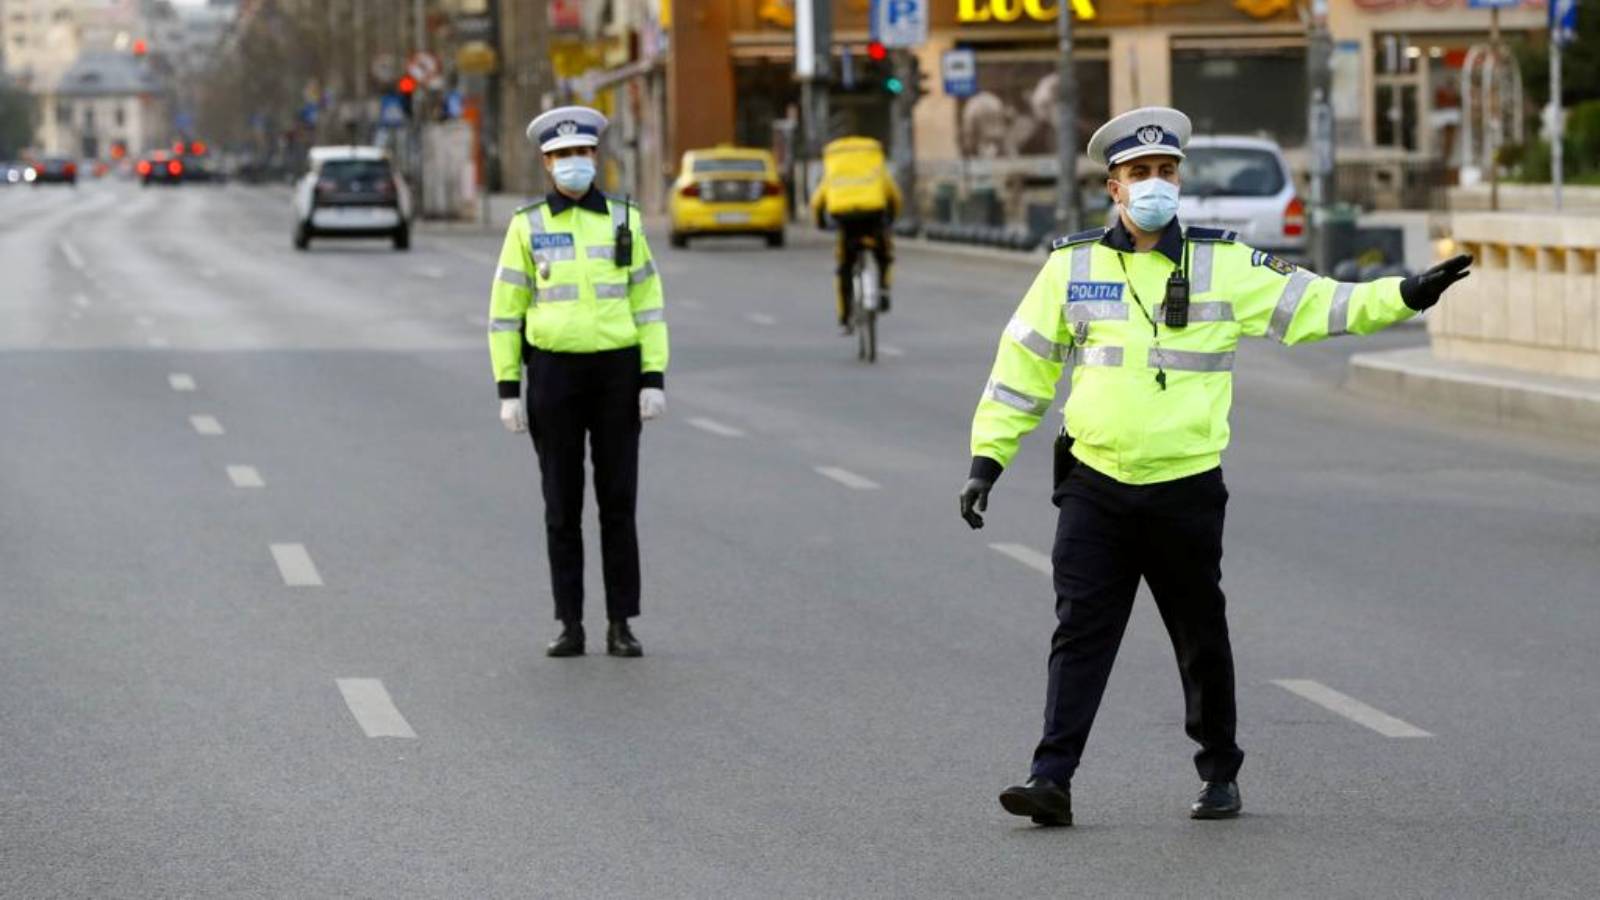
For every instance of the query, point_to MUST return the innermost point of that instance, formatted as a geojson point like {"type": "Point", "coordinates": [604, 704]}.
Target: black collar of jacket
{"type": "Point", "coordinates": [593, 201]}
{"type": "Point", "coordinates": [1170, 244]}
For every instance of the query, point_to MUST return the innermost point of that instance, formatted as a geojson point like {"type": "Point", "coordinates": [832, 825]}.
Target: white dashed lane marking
{"type": "Point", "coordinates": [761, 318]}
{"type": "Point", "coordinates": [295, 565]}
{"type": "Point", "coordinates": [716, 428]}
{"type": "Point", "coordinates": [158, 342]}
{"type": "Point", "coordinates": [74, 258]}
{"type": "Point", "coordinates": [1028, 556]}
{"type": "Point", "coordinates": [848, 478]}
{"type": "Point", "coordinates": [1351, 708]}
{"type": "Point", "coordinates": [245, 477]}
{"type": "Point", "coordinates": [181, 382]}
{"type": "Point", "coordinates": [887, 350]}
{"type": "Point", "coordinates": [373, 709]}
{"type": "Point", "coordinates": [206, 425]}
{"type": "Point", "coordinates": [81, 301]}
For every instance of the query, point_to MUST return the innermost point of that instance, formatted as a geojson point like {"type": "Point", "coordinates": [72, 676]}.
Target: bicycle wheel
{"type": "Point", "coordinates": [867, 320]}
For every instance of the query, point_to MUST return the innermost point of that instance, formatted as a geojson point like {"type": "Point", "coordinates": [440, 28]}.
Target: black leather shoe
{"type": "Point", "coordinates": [1218, 800]}
{"type": "Point", "coordinates": [570, 643]}
{"type": "Point", "coordinates": [1041, 799]}
{"type": "Point", "coordinates": [621, 642]}
{"type": "Point", "coordinates": [883, 301]}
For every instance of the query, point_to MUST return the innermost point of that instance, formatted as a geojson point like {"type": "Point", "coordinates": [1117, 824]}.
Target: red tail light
{"type": "Point", "coordinates": [772, 189]}
{"type": "Point", "coordinates": [71, 169]}
{"type": "Point", "coordinates": [327, 186]}
{"type": "Point", "coordinates": [1294, 218]}
{"type": "Point", "coordinates": [174, 168]}
{"type": "Point", "coordinates": [692, 189]}
{"type": "Point", "coordinates": [143, 167]}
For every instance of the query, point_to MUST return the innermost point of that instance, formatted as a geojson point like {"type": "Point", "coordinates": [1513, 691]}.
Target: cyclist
{"type": "Point", "coordinates": [858, 193]}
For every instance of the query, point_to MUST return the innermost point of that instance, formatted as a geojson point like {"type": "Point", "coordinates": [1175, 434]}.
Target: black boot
{"type": "Point", "coordinates": [620, 640]}
{"type": "Point", "coordinates": [570, 643]}
{"type": "Point", "coordinates": [1218, 800]}
{"type": "Point", "coordinates": [883, 301]}
{"type": "Point", "coordinates": [1041, 799]}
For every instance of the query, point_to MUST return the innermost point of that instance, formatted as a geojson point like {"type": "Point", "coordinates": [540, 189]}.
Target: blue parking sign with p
{"type": "Point", "coordinates": [900, 23]}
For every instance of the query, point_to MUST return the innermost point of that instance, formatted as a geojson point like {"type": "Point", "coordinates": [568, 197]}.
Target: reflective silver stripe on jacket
{"type": "Point", "coordinates": [558, 292]}
{"type": "Point", "coordinates": [535, 220]}
{"type": "Point", "coordinates": [1288, 302]}
{"type": "Point", "coordinates": [556, 254]}
{"type": "Point", "coordinates": [1100, 356]}
{"type": "Point", "coordinates": [642, 273]}
{"type": "Point", "coordinates": [619, 213]}
{"type": "Point", "coordinates": [1080, 261]}
{"type": "Point", "coordinates": [1038, 344]}
{"type": "Point", "coordinates": [1016, 399]}
{"type": "Point", "coordinates": [601, 251]}
{"type": "Point", "coordinates": [1339, 312]}
{"type": "Point", "coordinates": [1097, 311]}
{"type": "Point", "coordinates": [646, 316]}
{"type": "Point", "coordinates": [1200, 269]}
{"type": "Point", "coordinates": [1190, 360]}
{"type": "Point", "coordinates": [1207, 311]}
{"type": "Point", "coordinates": [610, 291]}
{"type": "Point", "coordinates": [515, 278]}
{"type": "Point", "coordinates": [505, 325]}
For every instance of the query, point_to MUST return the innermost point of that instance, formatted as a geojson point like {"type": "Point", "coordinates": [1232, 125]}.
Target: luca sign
{"type": "Point", "coordinates": [1017, 10]}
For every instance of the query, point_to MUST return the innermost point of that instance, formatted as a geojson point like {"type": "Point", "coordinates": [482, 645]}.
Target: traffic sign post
{"type": "Point", "coordinates": [959, 70]}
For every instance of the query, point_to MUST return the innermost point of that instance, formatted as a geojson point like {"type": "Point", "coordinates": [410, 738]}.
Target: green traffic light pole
{"type": "Point", "coordinates": [903, 86]}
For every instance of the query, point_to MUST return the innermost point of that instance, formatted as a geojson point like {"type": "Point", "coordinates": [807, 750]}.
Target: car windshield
{"type": "Point", "coordinates": [348, 170]}
{"type": "Point", "coordinates": [1231, 172]}
{"type": "Point", "coordinates": [743, 165]}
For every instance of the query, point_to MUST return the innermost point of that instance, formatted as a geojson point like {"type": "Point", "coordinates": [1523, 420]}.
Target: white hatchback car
{"type": "Point", "coordinates": [351, 192]}
{"type": "Point", "coordinates": [1244, 184]}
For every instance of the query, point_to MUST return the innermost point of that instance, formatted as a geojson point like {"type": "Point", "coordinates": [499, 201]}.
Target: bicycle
{"type": "Point", "coordinates": [864, 302]}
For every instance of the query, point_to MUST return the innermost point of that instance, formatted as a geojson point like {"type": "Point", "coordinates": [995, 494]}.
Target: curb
{"type": "Point", "coordinates": [1525, 401]}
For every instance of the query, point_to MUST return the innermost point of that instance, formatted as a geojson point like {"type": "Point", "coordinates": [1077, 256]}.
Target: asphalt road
{"type": "Point", "coordinates": [256, 505]}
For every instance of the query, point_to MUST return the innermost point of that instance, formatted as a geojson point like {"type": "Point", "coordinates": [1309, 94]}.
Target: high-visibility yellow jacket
{"type": "Point", "coordinates": [559, 287]}
{"type": "Point", "coordinates": [1085, 306]}
{"type": "Point", "coordinates": [855, 180]}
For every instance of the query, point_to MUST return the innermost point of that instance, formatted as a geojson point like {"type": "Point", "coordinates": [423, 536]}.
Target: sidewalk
{"type": "Point", "coordinates": [1520, 400]}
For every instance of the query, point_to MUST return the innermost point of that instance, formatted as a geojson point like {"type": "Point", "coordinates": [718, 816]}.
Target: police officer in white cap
{"type": "Point", "coordinates": [1150, 314]}
{"type": "Point", "coordinates": [577, 305]}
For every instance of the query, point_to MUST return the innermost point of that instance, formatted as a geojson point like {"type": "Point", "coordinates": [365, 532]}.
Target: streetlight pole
{"type": "Point", "coordinates": [1066, 124]}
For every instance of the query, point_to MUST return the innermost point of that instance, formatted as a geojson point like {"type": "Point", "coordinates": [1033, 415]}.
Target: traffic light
{"type": "Point", "coordinates": [406, 87]}
{"type": "Point", "coordinates": [877, 52]}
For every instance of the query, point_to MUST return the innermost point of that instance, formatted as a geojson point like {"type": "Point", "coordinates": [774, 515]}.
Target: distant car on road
{"type": "Point", "coordinates": [728, 190]}
{"type": "Point", "coordinates": [1244, 184]}
{"type": "Point", "coordinates": [351, 191]}
{"type": "Point", "coordinates": [160, 167]}
{"type": "Point", "coordinates": [12, 173]}
{"type": "Point", "coordinates": [55, 170]}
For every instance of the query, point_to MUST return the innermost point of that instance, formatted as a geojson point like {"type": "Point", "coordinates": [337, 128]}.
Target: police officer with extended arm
{"type": "Point", "coordinates": [1149, 313]}
{"type": "Point", "coordinates": [577, 303]}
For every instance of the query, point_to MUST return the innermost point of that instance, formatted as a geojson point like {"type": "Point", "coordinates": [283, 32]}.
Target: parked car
{"type": "Point", "coordinates": [728, 190]}
{"type": "Point", "coordinates": [351, 191]}
{"type": "Point", "coordinates": [55, 170]}
{"type": "Point", "coordinates": [160, 167]}
{"type": "Point", "coordinates": [12, 173]}
{"type": "Point", "coordinates": [1244, 184]}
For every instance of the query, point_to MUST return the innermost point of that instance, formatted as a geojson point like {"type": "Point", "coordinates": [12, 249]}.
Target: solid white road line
{"type": "Point", "coordinates": [848, 478]}
{"type": "Point", "coordinates": [181, 382]}
{"type": "Point", "coordinates": [761, 318]}
{"type": "Point", "coordinates": [375, 712]}
{"type": "Point", "coordinates": [73, 256]}
{"type": "Point", "coordinates": [206, 425]}
{"type": "Point", "coordinates": [245, 477]}
{"type": "Point", "coordinates": [1028, 556]}
{"type": "Point", "coordinates": [1351, 708]}
{"type": "Point", "coordinates": [295, 565]}
{"type": "Point", "coordinates": [433, 272]}
{"type": "Point", "coordinates": [716, 428]}
{"type": "Point", "coordinates": [887, 350]}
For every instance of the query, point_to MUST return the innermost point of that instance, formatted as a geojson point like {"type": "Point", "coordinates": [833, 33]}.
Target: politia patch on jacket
{"type": "Point", "coordinates": [1263, 258]}
{"type": "Point", "coordinates": [1094, 290]}
{"type": "Point", "coordinates": [544, 241]}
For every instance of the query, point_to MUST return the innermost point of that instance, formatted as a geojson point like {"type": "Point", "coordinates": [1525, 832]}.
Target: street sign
{"type": "Point", "coordinates": [959, 68]}
{"type": "Point", "coordinates": [1491, 4]}
{"type": "Point", "coordinates": [425, 68]}
{"type": "Point", "coordinates": [477, 58]}
{"type": "Point", "coordinates": [474, 27]}
{"type": "Point", "coordinates": [1563, 21]}
{"type": "Point", "coordinates": [391, 111]}
{"type": "Point", "coordinates": [900, 23]}
{"type": "Point", "coordinates": [384, 67]}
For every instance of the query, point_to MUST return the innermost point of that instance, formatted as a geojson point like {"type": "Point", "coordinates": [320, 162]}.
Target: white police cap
{"type": "Point", "coordinates": [567, 126]}
{"type": "Point", "coordinates": [1149, 131]}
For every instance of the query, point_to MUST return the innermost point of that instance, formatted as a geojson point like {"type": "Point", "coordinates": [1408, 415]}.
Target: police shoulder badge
{"type": "Point", "coordinates": [1263, 258]}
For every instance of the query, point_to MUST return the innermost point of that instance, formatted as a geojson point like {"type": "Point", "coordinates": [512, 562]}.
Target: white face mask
{"type": "Point", "coordinates": [573, 173]}
{"type": "Point", "coordinates": [1151, 203]}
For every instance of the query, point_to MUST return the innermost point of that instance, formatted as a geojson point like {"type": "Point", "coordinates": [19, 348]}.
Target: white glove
{"type": "Point", "coordinates": [652, 403]}
{"type": "Point", "coordinates": [514, 416]}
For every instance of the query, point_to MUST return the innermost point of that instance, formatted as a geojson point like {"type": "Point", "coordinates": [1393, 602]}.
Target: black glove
{"type": "Point", "coordinates": [974, 500]}
{"type": "Point", "coordinates": [1422, 291]}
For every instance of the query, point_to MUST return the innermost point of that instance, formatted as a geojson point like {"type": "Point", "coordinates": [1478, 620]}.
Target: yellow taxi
{"type": "Point", "coordinates": [728, 190]}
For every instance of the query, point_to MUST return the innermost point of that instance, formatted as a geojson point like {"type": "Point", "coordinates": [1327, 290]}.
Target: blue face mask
{"type": "Point", "coordinates": [1152, 203]}
{"type": "Point", "coordinates": [574, 174]}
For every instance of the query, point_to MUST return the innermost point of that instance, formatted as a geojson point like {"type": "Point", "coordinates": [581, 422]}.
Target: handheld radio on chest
{"type": "Point", "coordinates": [1176, 303]}
{"type": "Point", "coordinates": [622, 249]}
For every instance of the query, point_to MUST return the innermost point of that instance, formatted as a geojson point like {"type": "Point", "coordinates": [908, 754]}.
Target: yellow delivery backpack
{"type": "Point", "coordinates": [853, 176]}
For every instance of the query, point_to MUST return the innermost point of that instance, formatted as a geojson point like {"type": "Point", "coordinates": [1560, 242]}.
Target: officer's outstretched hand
{"type": "Point", "coordinates": [652, 403]}
{"type": "Point", "coordinates": [1423, 290]}
{"type": "Point", "coordinates": [514, 415]}
{"type": "Point", "coordinates": [975, 500]}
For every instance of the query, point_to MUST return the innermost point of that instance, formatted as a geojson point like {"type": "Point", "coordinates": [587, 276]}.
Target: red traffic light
{"type": "Point", "coordinates": [198, 148]}
{"type": "Point", "coordinates": [140, 48]}
{"type": "Point", "coordinates": [407, 85]}
{"type": "Point", "coordinates": [877, 52]}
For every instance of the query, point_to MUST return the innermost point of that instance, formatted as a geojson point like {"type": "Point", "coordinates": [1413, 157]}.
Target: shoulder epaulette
{"type": "Point", "coordinates": [1220, 235]}
{"type": "Point", "coordinates": [1081, 237]}
{"type": "Point", "coordinates": [534, 205]}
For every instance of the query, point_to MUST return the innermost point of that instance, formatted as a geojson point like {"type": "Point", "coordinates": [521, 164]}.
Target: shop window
{"type": "Point", "coordinates": [1243, 91]}
{"type": "Point", "coordinates": [1013, 113]}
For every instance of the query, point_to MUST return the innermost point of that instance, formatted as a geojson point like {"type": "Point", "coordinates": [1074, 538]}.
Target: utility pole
{"type": "Point", "coordinates": [1066, 124]}
{"type": "Point", "coordinates": [813, 46]}
{"type": "Point", "coordinates": [1557, 114]}
{"type": "Point", "coordinates": [491, 109]}
{"type": "Point", "coordinates": [903, 138]}
{"type": "Point", "coordinates": [1495, 112]}
{"type": "Point", "coordinates": [1319, 121]}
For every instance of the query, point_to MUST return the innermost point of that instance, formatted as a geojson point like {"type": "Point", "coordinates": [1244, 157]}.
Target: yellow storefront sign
{"type": "Point", "coordinates": [968, 11]}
